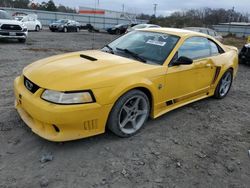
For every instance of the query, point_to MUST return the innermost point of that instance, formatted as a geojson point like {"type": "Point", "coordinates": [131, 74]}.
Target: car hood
{"type": "Point", "coordinates": [56, 24]}
{"type": "Point", "coordinates": [83, 70]}
{"type": "Point", "coordinates": [14, 22]}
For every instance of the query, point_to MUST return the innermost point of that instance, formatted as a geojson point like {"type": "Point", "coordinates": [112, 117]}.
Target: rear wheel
{"type": "Point", "coordinates": [37, 28]}
{"type": "Point", "coordinates": [224, 85]}
{"type": "Point", "coordinates": [129, 114]}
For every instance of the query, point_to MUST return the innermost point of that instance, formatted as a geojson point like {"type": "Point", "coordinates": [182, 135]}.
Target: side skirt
{"type": "Point", "coordinates": [173, 104]}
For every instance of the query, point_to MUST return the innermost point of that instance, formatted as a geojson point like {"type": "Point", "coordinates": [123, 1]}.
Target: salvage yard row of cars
{"type": "Point", "coordinates": [18, 25]}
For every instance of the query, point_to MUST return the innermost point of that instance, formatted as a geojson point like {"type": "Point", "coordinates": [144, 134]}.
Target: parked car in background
{"type": "Point", "coordinates": [142, 26]}
{"type": "Point", "coordinates": [30, 21]}
{"type": "Point", "coordinates": [65, 25]}
{"type": "Point", "coordinates": [12, 29]}
{"type": "Point", "coordinates": [89, 27]}
{"type": "Point", "coordinates": [244, 55]}
{"type": "Point", "coordinates": [118, 29]}
{"type": "Point", "coordinates": [207, 31]}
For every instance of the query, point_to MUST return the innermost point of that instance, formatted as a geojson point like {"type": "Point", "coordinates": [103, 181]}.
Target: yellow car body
{"type": "Point", "coordinates": [109, 77]}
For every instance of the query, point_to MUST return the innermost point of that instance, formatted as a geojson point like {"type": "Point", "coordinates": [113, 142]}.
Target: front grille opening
{"type": "Point", "coordinates": [11, 27]}
{"type": "Point", "coordinates": [90, 125]}
{"type": "Point", "coordinates": [56, 128]}
{"type": "Point", "coordinates": [168, 103]}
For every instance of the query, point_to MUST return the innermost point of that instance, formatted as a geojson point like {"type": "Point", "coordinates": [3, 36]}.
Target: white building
{"type": "Point", "coordinates": [239, 29]}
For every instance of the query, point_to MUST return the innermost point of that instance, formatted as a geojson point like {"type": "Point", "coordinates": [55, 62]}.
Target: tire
{"type": "Point", "coordinates": [117, 32]}
{"type": "Point", "coordinates": [37, 28]}
{"type": "Point", "coordinates": [65, 29]}
{"type": "Point", "coordinates": [129, 114]}
{"type": "Point", "coordinates": [22, 40]}
{"type": "Point", "coordinates": [224, 85]}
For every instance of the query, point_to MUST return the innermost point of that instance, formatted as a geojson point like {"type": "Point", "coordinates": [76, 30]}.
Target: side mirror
{"type": "Point", "coordinates": [183, 61]}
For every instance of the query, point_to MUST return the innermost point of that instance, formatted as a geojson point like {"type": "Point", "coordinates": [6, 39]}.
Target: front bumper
{"type": "Point", "coordinates": [13, 34]}
{"type": "Point", "coordinates": [59, 122]}
{"type": "Point", "coordinates": [56, 28]}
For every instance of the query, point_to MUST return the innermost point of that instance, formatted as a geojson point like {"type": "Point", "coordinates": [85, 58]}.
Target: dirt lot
{"type": "Point", "coordinates": [204, 144]}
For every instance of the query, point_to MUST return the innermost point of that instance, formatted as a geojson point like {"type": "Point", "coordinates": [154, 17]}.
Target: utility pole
{"type": "Point", "coordinates": [123, 8]}
{"type": "Point", "coordinates": [155, 6]}
{"type": "Point", "coordinates": [230, 21]}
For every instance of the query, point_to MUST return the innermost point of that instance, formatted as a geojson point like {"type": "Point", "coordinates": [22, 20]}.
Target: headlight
{"type": "Point", "coordinates": [79, 97]}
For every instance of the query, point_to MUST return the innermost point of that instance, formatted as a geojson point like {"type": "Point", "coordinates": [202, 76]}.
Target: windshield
{"type": "Point", "coordinates": [141, 26]}
{"type": "Point", "coordinates": [120, 25]}
{"type": "Point", "coordinates": [151, 46]}
{"type": "Point", "coordinates": [5, 16]}
{"type": "Point", "coordinates": [19, 18]}
{"type": "Point", "coordinates": [62, 21]}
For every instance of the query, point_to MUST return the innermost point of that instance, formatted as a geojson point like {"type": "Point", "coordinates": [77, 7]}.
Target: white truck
{"type": "Point", "coordinates": [12, 29]}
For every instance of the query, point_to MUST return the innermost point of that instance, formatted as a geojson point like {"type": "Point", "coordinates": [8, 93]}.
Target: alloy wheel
{"type": "Point", "coordinates": [225, 84]}
{"type": "Point", "coordinates": [133, 114]}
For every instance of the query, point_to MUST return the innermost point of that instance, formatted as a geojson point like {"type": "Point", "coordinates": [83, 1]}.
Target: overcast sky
{"type": "Point", "coordinates": [165, 7]}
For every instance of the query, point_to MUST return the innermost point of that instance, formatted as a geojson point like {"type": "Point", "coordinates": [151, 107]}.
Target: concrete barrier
{"type": "Point", "coordinates": [47, 17]}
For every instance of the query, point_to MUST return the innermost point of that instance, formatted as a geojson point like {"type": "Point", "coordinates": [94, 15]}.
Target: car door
{"type": "Point", "coordinates": [26, 22]}
{"type": "Point", "coordinates": [186, 81]}
{"type": "Point", "coordinates": [71, 25]}
{"type": "Point", "coordinates": [30, 23]}
{"type": "Point", "coordinates": [68, 25]}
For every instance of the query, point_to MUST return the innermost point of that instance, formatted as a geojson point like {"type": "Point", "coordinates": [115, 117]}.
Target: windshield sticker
{"type": "Point", "coordinates": [165, 37]}
{"type": "Point", "coordinates": [154, 42]}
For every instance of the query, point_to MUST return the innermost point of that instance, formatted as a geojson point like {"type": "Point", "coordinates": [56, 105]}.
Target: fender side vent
{"type": "Point", "coordinates": [217, 72]}
{"type": "Point", "coordinates": [88, 57]}
{"type": "Point", "coordinates": [168, 103]}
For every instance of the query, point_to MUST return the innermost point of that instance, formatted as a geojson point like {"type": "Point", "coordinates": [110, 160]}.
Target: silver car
{"type": "Point", "coordinates": [207, 31]}
{"type": "Point", "coordinates": [142, 26]}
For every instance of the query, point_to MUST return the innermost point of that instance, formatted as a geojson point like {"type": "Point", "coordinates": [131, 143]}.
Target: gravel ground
{"type": "Point", "coordinates": [204, 144]}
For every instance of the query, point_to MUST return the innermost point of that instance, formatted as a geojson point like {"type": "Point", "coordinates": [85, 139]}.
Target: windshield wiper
{"type": "Point", "coordinates": [135, 55]}
{"type": "Point", "coordinates": [110, 48]}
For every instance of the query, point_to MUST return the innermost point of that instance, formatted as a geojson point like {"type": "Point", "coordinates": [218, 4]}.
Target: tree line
{"type": "Point", "coordinates": [27, 4]}
{"type": "Point", "coordinates": [205, 17]}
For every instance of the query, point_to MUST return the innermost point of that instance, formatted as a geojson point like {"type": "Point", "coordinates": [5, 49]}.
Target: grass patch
{"type": "Point", "coordinates": [233, 41]}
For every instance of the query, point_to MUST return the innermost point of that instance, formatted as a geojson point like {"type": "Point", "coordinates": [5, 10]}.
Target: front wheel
{"type": "Point", "coordinates": [22, 40]}
{"type": "Point", "coordinates": [129, 114]}
{"type": "Point", "coordinates": [37, 28]}
{"type": "Point", "coordinates": [65, 29]}
{"type": "Point", "coordinates": [224, 85]}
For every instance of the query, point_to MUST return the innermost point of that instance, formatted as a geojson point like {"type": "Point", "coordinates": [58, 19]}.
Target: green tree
{"type": "Point", "coordinates": [51, 6]}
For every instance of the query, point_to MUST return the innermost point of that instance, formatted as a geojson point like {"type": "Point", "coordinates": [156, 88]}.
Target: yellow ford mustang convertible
{"type": "Point", "coordinates": [143, 73]}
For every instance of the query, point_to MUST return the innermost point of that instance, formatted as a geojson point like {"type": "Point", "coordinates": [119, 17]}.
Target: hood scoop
{"type": "Point", "coordinates": [88, 57]}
